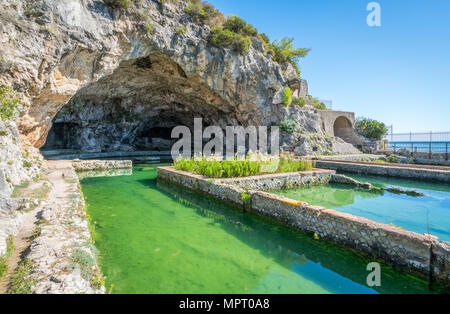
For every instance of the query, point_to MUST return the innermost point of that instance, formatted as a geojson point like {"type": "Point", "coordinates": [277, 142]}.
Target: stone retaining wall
{"type": "Point", "coordinates": [433, 159]}
{"type": "Point", "coordinates": [89, 165]}
{"type": "Point", "coordinates": [388, 171]}
{"type": "Point", "coordinates": [281, 180]}
{"type": "Point", "coordinates": [421, 254]}
{"type": "Point", "coordinates": [425, 158]}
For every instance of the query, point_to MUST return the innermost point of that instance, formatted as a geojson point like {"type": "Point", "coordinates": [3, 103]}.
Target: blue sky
{"type": "Point", "coordinates": [398, 73]}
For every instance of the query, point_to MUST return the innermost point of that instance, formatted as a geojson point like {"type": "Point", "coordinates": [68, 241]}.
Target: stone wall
{"type": "Point", "coordinates": [421, 254]}
{"type": "Point", "coordinates": [424, 158]}
{"type": "Point", "coordinates": [281, 180]}
{"type": "Point", "coordinates": [441, 159]}
{"type": "Point", "coordinates": [387, 170]}
{"type": "Point", "coordinates": [89, 165]}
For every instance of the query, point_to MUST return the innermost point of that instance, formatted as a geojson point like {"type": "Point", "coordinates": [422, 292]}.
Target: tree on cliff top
{"type": "Point", "coordinates": [284, 51]}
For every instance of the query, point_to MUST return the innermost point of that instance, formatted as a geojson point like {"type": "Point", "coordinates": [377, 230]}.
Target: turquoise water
{"type": "Point", "coordinates": [154, 237]}
{"type": "Point", "coordinates": [426, 214]}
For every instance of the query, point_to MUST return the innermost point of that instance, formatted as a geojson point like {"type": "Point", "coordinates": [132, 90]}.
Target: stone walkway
{"type": "Point", "coordinates": [62, 254]}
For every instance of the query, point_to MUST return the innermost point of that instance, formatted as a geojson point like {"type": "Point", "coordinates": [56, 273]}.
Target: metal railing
{"type": "Point", "coordinates": [424, 147]}
{"type": "Point", "coordinates": [418, 137]}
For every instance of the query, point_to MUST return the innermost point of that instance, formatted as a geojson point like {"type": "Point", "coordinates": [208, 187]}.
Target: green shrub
{"type": "Point", "coordinates": [392, 159]}
{"type": "Point", "coordinates": [237, 25]}
{"type": "Point", "coordinates": [286, 98]}
{"type": "Point", "coordinates": [299, 102]}
{"type": "Point", "coordinates": [370, 129]}
{"type": "Point", "coordinates": [246, 198]}
{"type": "Point", "coordinates": [283, 51]}
{"type": "Point", "coordinates": [85, 261]}
{"type": "Point", "coordinates": [201, 12]}
{"type": "Point", "coordinates": [150, 28]}
{"type": "Point", "coordinates": [317, 103]}
{"type": "Point", "coordinates": [21, 283]}
{"type": "Point", "coordinates": [288, 126]}
{"type": "Point", "coordinates": [121, 4]}
{"type": "Point", "coordinates": [180, 31]}
{"type": "Point", "coordinates": [267, 44]}
{"type": "Point", "coordinates": [9, 102]}
{"type": "Point", "coordinates": [221, 37]}
{"type": "Point", "coordinates": [4, 259]}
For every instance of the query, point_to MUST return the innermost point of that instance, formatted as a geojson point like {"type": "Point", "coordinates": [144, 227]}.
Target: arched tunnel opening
{"type": "Point", "coordinates": [135, 109]}
{"type": "Point", "coordinates": [343, 129]}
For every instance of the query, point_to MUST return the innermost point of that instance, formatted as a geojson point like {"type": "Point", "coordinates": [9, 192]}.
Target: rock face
{"type": "Point", "coordinates": [16, 163]}
{"type": "Point", "coordinates": [128, 76]}
{"type": "Point", "coordinates": [63, 46]}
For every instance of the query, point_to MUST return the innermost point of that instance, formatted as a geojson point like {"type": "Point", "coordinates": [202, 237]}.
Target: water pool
{"type": "Point", "coordinates": [426, 214]}
{"type": "Point", "coordinates": [154, 237]}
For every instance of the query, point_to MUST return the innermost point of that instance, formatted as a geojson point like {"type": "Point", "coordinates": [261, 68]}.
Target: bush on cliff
{"type": "Point", "coordinates": [238, 26]}
{"type": "Point", "coordinates": [370, 128]}
{"type": "Point", "coordinates": [286, 98]}
{"type": "Point", "coordinates": [221, 37]}
{"type": "Point", "coordinates": [299, 102]}
{"type": "Point", "coordinates": [317, 103]}
{"type": "Point", "coordinates": [9, 103]}
{"type": "Point", "coordinates": [122, 4]}
{"type": "Point", "coordinates": [284, 51]}
{"type": "Point", "coordinates": [288, 126]}
{"type": "Point", "coordinates": [203, 13]}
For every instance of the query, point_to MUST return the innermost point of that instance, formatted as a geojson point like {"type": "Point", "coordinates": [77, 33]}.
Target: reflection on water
{"type": "Point", "coordinates": [425, 214]}
{"type": "Point", "coordinates": [158, 238]}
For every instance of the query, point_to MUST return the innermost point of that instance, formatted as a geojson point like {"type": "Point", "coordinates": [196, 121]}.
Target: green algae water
{"type": "Point", "coordinates": [155, 237]}
{"type": "Point", "coordinates": [424, 214]}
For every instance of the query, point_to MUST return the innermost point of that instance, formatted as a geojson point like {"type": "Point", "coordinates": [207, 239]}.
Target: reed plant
{"type": "Point", "coordinates": [251, 165]}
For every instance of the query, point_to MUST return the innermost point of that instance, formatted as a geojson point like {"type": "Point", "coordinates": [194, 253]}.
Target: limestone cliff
{"type": "Point", "coordinates": [52, 49]}
{"type": "Point", "coordinates": [126, 72]}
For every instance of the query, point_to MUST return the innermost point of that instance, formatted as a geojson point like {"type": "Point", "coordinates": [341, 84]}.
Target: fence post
{"type": "Point", "coordinates": [446, 151]}
{"type": "Point", "coordinates": [429, 156]}
{"type": "Point", "coordinates": [395, 148]}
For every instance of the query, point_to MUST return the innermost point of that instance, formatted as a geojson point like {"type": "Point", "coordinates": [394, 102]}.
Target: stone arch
{"type": "Point", "coordinates": [343, 128]}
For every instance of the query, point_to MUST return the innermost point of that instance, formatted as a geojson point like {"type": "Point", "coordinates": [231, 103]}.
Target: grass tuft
{"type": "Point", "coordinates": [21, 283]}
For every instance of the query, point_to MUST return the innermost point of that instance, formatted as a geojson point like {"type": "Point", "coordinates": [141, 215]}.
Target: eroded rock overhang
{"type": "Point", "coordinates": [136, 108]}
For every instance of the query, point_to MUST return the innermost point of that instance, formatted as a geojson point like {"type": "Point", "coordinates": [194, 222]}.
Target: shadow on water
{"type": "Point", "coordinates": [290, 248]}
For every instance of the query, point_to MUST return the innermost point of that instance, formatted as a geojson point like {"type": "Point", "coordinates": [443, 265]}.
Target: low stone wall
{"type": "Point", "coordinates": [421, 254]}
{"type": "Point", "coordinates": [353, 157]}
{"type": "Point", "coordinates": [387, 170]}
{"type": "Point", "coordinates": [89, 165]}
{"type": "Point", "coordinates": [281, 180]}
{"type": "Point", "coordinates": [441, 159]}
{"type": "Point", "coordinates": [425, 158]}
{"type": "Point", "coordinates": [104, 173]}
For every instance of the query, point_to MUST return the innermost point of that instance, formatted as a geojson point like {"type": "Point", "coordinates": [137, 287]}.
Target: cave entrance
{"type": "Point", "coordinates": [135, 109]}
{"type": "Point", "coordinates": [343, 129]}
